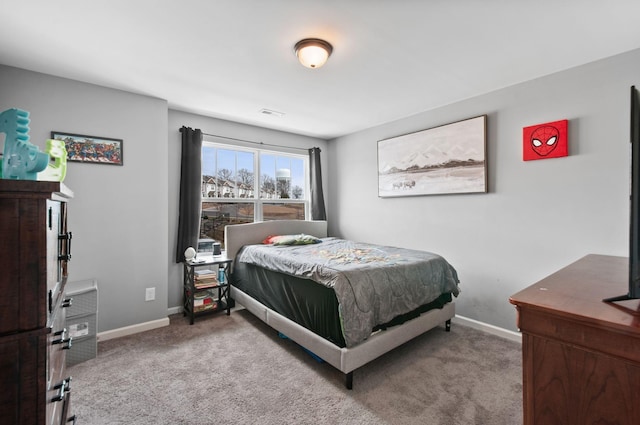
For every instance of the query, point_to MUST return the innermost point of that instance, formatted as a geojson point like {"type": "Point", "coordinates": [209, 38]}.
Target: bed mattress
{"type": "Point", "coordinates": [308, 303]}
{"type": "Point", "coordinates": [372, 283]}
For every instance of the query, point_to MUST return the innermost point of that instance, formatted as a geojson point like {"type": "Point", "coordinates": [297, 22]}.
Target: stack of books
{"type": "Point", "coordinates": [205, 279]}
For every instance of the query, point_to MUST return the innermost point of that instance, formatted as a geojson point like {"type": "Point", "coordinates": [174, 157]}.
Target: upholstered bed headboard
{"type": "Point", "coordinates": [238, 235]}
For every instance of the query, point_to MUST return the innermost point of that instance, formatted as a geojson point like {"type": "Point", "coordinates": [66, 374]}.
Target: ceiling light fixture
{"type": "Point", "coordinates": [313, 52]}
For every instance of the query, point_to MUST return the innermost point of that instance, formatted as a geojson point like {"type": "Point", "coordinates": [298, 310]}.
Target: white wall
{"type": "Point", "coordinates": [118, 215]}
{"type": "Point", "coordinates": [177, 119]}
{"type": "Point", "coordinates": [538, 215]}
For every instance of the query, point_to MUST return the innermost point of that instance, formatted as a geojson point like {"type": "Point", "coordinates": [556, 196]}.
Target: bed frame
{"type": "Point", "coordinates": [344, 359]}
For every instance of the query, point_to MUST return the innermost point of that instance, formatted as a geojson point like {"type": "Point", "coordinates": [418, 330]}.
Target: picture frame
{"type": "Point", "coordinates": [447, 159]}
{"type": "Point", "coordinates": [92, 149]}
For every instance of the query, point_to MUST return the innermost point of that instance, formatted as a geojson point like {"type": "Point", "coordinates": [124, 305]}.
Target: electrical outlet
{"type": "Point", "coordinates": [150, 294]}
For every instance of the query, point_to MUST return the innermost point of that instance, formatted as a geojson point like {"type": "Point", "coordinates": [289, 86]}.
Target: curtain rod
{"type": "Point", "coordinates": [255, 143]}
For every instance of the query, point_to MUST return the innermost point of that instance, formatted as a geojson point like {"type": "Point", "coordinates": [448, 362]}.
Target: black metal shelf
{"type": "Point", "coordinates": [189, 288]}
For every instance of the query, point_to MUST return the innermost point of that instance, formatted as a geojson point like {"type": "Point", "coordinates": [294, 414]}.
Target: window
{"type": "Point", "coordinates": [242, 185]}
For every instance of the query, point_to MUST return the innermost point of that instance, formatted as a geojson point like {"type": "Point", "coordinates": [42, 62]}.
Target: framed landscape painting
{"type": "Point", "coordinates": [442, 160]}
{"type": "Point", "coordinates": [97, 150]}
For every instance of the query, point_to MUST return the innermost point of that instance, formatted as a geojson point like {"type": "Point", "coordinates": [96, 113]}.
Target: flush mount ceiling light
{"type": "Point", "coordinates": [313, 52]}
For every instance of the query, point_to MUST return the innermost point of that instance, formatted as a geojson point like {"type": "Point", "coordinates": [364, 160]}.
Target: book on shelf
{"type": "Point", "coordinates": [205, 278]}
{"type": "Point", "coordinates": [205, 283]}
{"type": "Point", "coordinates": [204, 273]}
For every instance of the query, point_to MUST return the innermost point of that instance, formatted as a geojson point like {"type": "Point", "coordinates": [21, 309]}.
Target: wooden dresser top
{"type": "Point", "coordinates": [34, 188]}
{"type": "Point", "coordinates": [577, 291]}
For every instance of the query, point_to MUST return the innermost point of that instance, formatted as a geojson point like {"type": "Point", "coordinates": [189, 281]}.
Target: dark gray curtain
{"type": "Point", "coordinates": [317, 197]}
{"type": "Point", "coordinates": [190, 196]}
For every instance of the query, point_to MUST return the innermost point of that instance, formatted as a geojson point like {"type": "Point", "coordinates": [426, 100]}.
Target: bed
{"type": "Point", "coordinates": [325, 293]}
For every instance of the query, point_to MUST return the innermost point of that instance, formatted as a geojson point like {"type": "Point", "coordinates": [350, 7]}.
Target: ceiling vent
{"type": "Point", "coordinates": [264, 111]}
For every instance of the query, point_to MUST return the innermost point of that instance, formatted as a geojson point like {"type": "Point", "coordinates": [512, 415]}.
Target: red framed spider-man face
{"type": "Point", "coordinates": [544, 141]}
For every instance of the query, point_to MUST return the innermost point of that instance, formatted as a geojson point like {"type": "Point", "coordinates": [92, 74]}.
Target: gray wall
{"type": "Point", "coordinates": [123, 219]}
{"type": "Point", "coordinates": [223, 128]}
{"type": "Point", "coordinates": [118, 215]}
{"type": "Point", "coordinates": [538, 215]}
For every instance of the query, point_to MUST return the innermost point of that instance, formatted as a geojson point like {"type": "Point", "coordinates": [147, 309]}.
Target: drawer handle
{"type": "Point", "coordinates": [66, 237]}
{"type": "Point", "coordinates": [67, 302]}
{"type": "Point", "coordinates": [62, 341]}
{"type": "Point", "coordinates": [62, 334]}
{"type": "Point", "coordinates": [63, 387]}
{"type": "Point", "coordinates": [72, 419]}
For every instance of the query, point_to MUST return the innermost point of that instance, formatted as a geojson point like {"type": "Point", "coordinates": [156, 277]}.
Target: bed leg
{"type": "Point", "coordinates": [348, 380]}
{"type": "Point", "coordinates": [447, 325]}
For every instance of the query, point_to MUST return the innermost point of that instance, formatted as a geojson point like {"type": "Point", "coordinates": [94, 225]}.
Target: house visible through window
{"type": "Point", "coordinates": [242, 185]}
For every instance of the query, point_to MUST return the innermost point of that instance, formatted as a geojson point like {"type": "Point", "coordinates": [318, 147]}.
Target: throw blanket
{"type": "Point", "coordinates": [373, 284]}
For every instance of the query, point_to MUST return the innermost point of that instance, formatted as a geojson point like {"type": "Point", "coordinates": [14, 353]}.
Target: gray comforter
{"type": "Point", "coordinates": [373, 284]}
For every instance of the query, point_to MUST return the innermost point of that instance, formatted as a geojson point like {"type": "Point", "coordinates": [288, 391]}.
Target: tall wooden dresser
{"type": "Point", "coordinates": [580, 355]}
{"type": "Point", "coordinates": [35, 247]}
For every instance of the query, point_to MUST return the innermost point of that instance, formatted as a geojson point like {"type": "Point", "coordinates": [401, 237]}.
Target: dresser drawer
{"type": "Point", "coordinates": [58, 382]}
{"type": "Point", "coordinates": [23, 377]}
{"type": "Point", "coordinates": [32, 284]}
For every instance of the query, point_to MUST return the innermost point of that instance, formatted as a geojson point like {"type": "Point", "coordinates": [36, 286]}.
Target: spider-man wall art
{"type": "Point", "coordinates": [544, 141]}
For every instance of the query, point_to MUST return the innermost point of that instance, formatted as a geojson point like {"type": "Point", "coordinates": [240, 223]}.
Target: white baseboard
{"type": "Point", "coordinates": [133, 329]}
{"type": "Point", "coordinates": [147, 326]}
{"type": "Point", "coordinates": [174, 310]}
{"type": "Point", "coordinates": [494, 330]}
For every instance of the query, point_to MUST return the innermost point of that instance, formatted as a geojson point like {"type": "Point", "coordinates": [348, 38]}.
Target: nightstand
{"type": "Point", "coordinates": [206, 286]}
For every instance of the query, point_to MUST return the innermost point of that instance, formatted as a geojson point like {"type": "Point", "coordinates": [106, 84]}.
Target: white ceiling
{"type": "Point", "coordinates": [391, 59]}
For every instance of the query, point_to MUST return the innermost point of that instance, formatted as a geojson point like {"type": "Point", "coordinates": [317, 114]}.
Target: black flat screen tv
{"type": "Point", "coordinates": [634, 219]}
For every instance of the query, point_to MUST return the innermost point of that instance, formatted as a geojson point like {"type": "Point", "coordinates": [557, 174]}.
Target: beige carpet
{"type": "Point", "coordinates": [236, 370]}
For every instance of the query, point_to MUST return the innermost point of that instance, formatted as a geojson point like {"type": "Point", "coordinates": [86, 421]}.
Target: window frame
{"type": "Point", "coordinates": [256, 200]}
